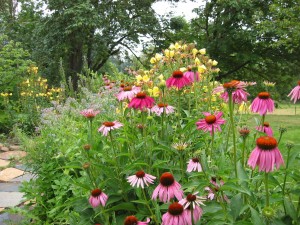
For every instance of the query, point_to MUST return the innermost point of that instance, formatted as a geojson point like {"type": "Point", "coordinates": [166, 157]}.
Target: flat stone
{"type": "Point", "coordinates": [12, 155]}
{"type": "Point", "coordinates": [15, 148]}
{"type": "Point", "coordinates": [1, 209]}
{"type": "Point", "coordinates": [4, 149]}
{"type": "Point", "coordinates": [10, 187]}
{"type": "Point", "coordinates": [4, 163]}
{"type": "Point", "coordinates": [7, 218]}
{"type": "Point", "coordinates": [10, 199]}
{"type": "Point", "coordinates": [24, 177]}
{"type": "Point", "coordinates": [23, 167]}
{"type": "Point", "coordinates": [10, 173]}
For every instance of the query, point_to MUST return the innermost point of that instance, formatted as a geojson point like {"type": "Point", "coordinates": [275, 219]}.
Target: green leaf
{"type": "Point", "coordinates": [256, 220]}
{"type": "Point", "coordinates": [128, 206]}
{"type": "Point", "coordinates": [290, 209]}
{"type": "Point", "coordinates": [236, 204]}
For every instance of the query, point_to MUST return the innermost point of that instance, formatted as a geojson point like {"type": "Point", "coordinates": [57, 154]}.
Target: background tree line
{"type": "Point", "coordinates": [251, 39]}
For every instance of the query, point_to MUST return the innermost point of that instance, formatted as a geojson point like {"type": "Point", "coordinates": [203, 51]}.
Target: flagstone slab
{"type": "Point", "coordinates": [10, 199]}
{"type": "Point", "coordinates": [4, 163]}
{"type": "Point", "coordinates": [24, 177]}
{"type": "Point", "coordinates": [15, 147]}
{"type": "Point", "coordinates": [10, 187]}
{"type": "Point", "coordinates": [10, 173]}
{"type": "Point", "coordinates": [12, 155]}
{"type": "Point", "coordinates": [4, 149]}
{"type": "Point", "coordinates": [1, 209]}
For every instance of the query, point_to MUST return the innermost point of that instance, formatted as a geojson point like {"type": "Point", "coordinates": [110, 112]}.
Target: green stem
{"type": "Point", "coordinates": [178, 111]}
{"type": "Point", "coordinates": [267, 189]}
{"type": "Point", "coordinates": [150, 210]}
{"type": "Point", "coordinates": [91, 132]}
{"type": "Point", "coordinates": [212, 143]}
{"type": "Point", "coordinates": [233, 131]}
{"type": "Point", "coordinates": [243, 152]}
{"type": "Point", "coordinates": [285, 177]}
{"type": "Point", "coordinates": [192, 215]}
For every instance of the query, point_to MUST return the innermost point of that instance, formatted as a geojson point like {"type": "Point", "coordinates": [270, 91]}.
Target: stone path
{"type": "Point", "coordinates": [12, 174]}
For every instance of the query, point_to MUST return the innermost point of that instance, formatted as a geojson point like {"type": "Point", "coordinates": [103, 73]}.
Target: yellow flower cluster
{"type": "Point", "coordinates": [5, 94]}
{"type": "Point", "coordinates": [33, 69]}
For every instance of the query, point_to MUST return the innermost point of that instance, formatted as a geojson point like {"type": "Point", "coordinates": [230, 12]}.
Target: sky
{"type": "Point", "coordinates": [181, 8]}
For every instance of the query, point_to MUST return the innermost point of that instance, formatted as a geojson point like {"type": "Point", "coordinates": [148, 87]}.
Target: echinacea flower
{"type": "Point", "coordinates": [141, 101]}
{"type": "Point", "coordinates": [180, 146]}
{"type": "Point", "coordinates": [128, 92]}
{"type": "Point", "coordinates": [132, 220]}
{"type": "Point", "coordinates": [213, 191]}
{"type": "Point", "coordinates": [89, 113]}
{"type": "Point", "coordinates": [295, 93]}
{"type": "Point", "coordinates": [191, 75]}
{"type": "Point", "coordinates": [262, 104]}
{"type": "Point", "coordinates": [168, 188]}
{"type": "Point", "coordinates": [161, 107]}
{"type": "Point", "coordinates": [194, 165]}
{"type": "Point", "coordinates": [210, 122]}
{"type": "Point", "coordinates": [177, 80]}
{"type": "Point", "coordinates": [244, 132]}
{"type": "Point", "coordinates": [98, 197]}
{"type": "Point", "coordinates": [141, 179]}
{"type": "Point", "coordinates": [265, 155]}
{"type": "Point", "coordinates": [109, 126]}
{"type": "Point", "coordinates": [193, 201]}
{"type": "Point", "coordinates": [176, 215]}
{"type": "Point", "coordinates": [266, 129]}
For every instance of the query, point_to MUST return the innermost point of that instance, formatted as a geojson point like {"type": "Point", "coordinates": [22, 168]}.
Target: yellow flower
{"type": "Point", "coordinates": [244, 107]}
{"type": "Point", "coordinates": [169, 54]}
{"type": "Point", "coordinates": [183, 69]}
{"type": "Point", "coordinates": [269, 84]}
{"type": "Point", "coordinates": [184, 46]}
{"type": "Point", "coordinates": [161, 77]}
{"type": "Point", "coordinates": [172, 46]}
{"type": "Point", "coordinates": [27, 81]}
{"type": "Point", "coordinates": [213, 98]}
{"type": "Point", "coordinates": [162, 83]}
{"type": "Point", "coordinates": [177, 46]}
{"type": "Point", "coordinates": [194, 51]}
{"type": "Point", "coordinates": [205, 89]}
{"type": "Point", "coordinates": [214, 63]}
{"type": "Point", "coordinates": [158, 57]}
{"type": "Point", "coordinates": [146, 78]}
{"type": "Point", "coordinates": [201, 69]}
{"type": "Point", "coordinates": [217, 70]}
{"type": "Point", "coordinates": [153, 60]}
{"type": "Point", "coordinates": [197, 61]}
{"type": "Point", "coordinates": [202, 51]}
{"type": "Point", "coordinates": [154, 92]}
{"type": "Point", "coordinates": [180, 146]}
{"type": "Point", "coordinates": [139, 78]}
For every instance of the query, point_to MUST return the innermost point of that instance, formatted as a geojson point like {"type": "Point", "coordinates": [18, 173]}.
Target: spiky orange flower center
{"type": "Point", "coordinates": [96, 192]}
{"type": "Point", "coordinates": [140, 174]}
{"type": "Point", "coordinates": [266, 143]}
{"type": "Point", "coordinates": [166, 179]}
{"type": "Point", "coordinates": [266, 124]}
{"type": "Point", "coordinates": [244, 131]}
{"type": "Point", "coordinates": [175, 209]}
{"type": "Point", "coordinates": [231, 84]}
{"type": "Point", "coordinates": [128, 88]}
{"type": "Point", "coordinates": [191, 197]}
{"type": "Point", "coordinates": [210, 119]}
{"type": "Point", "coordinates": [177, 74]}
{"type": "Point", "coordinates": [108, 124]}
{"type": "Point", "coordinates": [195, 160]}
{"type": "Point", "coordinates": [141, 95]}
{"type": "Point", "coordinates": [130, 220]}
{"type": "Point", "coordinates": [299, 82]}
{"type": "Point", "coordinates": [87, 147]}
{"type": "Point", "coordinates": [264, 95]}
{"type": "Point", "coordinates": [162, 105]}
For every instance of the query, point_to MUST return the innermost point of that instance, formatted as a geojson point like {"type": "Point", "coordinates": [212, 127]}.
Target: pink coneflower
{"type": "Point", "coordinates": [108, 126]}
{"type": "Point", "coordinates": [176, 215]}
{"type": "Point", "coordinates": [161, 107]}
{"type": "Point", "coordinates": [210, 122]}
{"type": "Point", "coordinates": [191, 75]}
{"type": "Point", "coordinates": [177, 80]}
{"type": "Point", "coordinates": [266, 129]}
{"type": "Point", "coordinates": [98, 197]}
{"type": "Point", "coordinates": [128, 92]}
{"type": "Point", "coordinates": [265, 155]}
{"type": "Point", "coordinates": [295, 93]}
{"type": "Point", "coordinates": [193, 201]}
{"type": "Point", "coordinates": [262, 104]}
{"type": "Point", "coordinates": [194, 165]}
{"type": "Point", "coordinates": [213, 191]}
{"type": "Point", "coordinates": [141, 101]}
{"type": "Point", "coordinates": [168, 188]}
{"type": "Point", "coordinates": [132, 220]}
{"type": "Point", "coordinates": [89, 113]}
{"type": "Point", "coordinates": [237, 88]}
{"type": "Point", "coordinates": [140, 179]}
